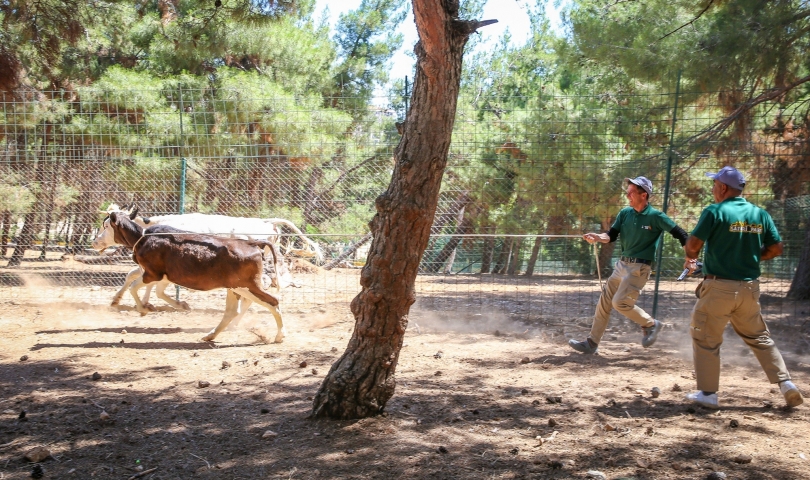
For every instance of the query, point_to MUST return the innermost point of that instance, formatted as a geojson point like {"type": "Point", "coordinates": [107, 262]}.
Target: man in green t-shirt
{"type": "Point", "coordinates": [638, 228]}
{"type": "Point", "coordinates": [738, 236]}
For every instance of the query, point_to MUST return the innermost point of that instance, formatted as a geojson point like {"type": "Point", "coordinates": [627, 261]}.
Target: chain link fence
{"type": "Point", "coordinates": [525, 179]}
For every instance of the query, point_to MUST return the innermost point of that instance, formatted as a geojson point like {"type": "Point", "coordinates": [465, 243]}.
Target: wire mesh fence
{"type": "Point", "coordinates": [525, 179]}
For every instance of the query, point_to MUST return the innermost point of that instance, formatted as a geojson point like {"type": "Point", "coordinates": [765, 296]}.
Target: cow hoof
{"type": "Point", "coordinates": [184, 306]}
{"type": "Point", "coordinates": [208, 338]}
{"type": "Point", "coordinates": [150, 307]}
{"type": "Point", "coordinates": [279, 339]}
{"type": "Point", "coordinates": [115, 302]}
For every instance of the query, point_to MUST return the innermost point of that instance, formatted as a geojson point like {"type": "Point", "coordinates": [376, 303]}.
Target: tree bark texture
{"type": "Point", "coordinates": [362, 381]}
{"type": "Point", "coordinates": [25, 240]}
{"type": "Point", "coordinates": [486, 255]}
{"type": "Point", "coordinates": [502, 261]}
{"type": "Point", "coordinates": [800, 286]}
{"type": "Point", "coordinates": [4, 235]}
{"type": "Point", "coordinates": [533, 257]}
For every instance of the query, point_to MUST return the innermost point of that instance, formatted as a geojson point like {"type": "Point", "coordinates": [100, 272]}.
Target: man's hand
{"type": "Point", "coordinates": [771, 251]}
{"type": "Point", "coordinates": [596, 238]}
{"type": "Point", "coordinates": [690, 264]}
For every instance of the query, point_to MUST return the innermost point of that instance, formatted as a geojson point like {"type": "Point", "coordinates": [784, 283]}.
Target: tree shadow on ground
{"type": "Point", "coordinates": [257, 430]}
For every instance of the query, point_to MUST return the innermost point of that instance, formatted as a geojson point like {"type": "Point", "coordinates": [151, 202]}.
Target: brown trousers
{"type": "Point", "coordinates": [621, 292]}
{"type": "Point", "coordinates": [721, 302]}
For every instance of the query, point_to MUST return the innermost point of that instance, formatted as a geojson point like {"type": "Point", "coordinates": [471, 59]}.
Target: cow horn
{"type": "Point", "coordinates": [133, 213]}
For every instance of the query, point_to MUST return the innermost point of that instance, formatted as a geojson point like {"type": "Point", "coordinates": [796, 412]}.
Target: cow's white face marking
{"type": "Point", "coordinates": [105, 237]}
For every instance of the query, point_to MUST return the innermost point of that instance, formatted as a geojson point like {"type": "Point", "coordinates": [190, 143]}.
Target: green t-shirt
{"type": "Point", "coordinates": [639, 231]}
{"type": "Point", "coordinates": [734, 231]}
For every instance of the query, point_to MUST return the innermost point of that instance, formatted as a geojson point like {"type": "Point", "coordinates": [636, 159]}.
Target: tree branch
{"type": "Point", "coordinates": [690, 22]}
{"type": "Point", "coordinates": [343, 176]}
{"type": "Point", "coordinates": [720, 126]}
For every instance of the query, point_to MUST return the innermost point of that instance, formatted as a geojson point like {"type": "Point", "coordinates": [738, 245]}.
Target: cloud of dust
{"type": "Point", "coordinates": [476, 321]}
{"type": "Point", "coordinates": [55, 311]}
{"type": "Point", "coordinates": [734, 352]}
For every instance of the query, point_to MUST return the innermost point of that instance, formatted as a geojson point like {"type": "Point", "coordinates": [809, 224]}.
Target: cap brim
{"type": "Point", "coordinates": [713, 176]}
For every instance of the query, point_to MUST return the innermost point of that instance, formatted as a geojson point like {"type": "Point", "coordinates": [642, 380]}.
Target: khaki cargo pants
{"type": "Point", "coordinates": [621, 292]}
{"type": "Point", "coordinates": [720, 302]}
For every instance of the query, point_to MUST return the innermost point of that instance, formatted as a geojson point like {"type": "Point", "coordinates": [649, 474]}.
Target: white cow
{"type": "Point", "coordinates": [222, 225]}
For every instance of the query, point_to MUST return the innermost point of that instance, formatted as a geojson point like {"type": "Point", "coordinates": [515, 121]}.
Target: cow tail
{"type": "Point", "coordinates": [264, 243]}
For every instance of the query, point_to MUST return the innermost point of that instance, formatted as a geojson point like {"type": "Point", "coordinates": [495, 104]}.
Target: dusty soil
{"type": "Point", "coordinates": [482, 393]}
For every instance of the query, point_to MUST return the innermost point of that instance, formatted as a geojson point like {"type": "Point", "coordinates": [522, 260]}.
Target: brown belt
{"type": "Point", "coordinates": [715, 277]}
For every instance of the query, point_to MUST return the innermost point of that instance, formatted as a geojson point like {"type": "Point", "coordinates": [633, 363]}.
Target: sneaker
{"type": "Point", "coordinates": [583, 347]}
{"type": "Point", "coordinates": [708, 401]}
{"type": "Point", "coordinates": [651, 334]}
{"type": "Point", "coordinates": [793, 397]}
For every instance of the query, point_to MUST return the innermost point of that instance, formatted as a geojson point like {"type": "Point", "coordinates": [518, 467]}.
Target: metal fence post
{"type": "Point", "coordinates": [670, 154]}
{"type": "Point", "coordinates": [181, 207]}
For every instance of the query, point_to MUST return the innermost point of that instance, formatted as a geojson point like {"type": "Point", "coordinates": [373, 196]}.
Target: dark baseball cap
{"type": "Point", "coordinates": [730, 176]}
{"type": "Point", "coordinates": [642, 182]}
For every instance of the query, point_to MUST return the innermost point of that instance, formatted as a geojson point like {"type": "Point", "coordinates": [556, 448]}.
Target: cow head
{"type": "Point", "coordinates": [106, 234]}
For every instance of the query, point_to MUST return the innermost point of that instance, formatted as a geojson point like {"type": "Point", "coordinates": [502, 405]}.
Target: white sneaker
{"type": "Point", "coordinates": [793, 397]}
{"type": "Point", "coordinates": [708, 401]}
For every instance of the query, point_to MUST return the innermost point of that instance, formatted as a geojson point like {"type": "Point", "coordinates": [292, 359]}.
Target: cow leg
{"type": "Point", "coordinates": [145, 299]}
{"type": "Point", "coordinates": [244, 305]}
{"type": "Point", "coordinates": [269, 302]}
{"type": "Point", "coordinates": [137, 285]}
{"type": "Point", "coordinates": [161, 293]}
{"type": "Point", "coordinates": [131, 276]}
{"type": "Point", "coordinates": [231, 312]}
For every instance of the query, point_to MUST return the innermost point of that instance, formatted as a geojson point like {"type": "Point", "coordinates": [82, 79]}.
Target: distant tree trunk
{"type": "Point", "coordinates": [362, 381]}
{"type": "Point", "coordinates": [311, 213]}
{"type": "Point", "coordinates": [449, 248]}
{"type": "Point", "coordinates": [5, 233]}
{"type": "Point", "coordinates": [533, 257]}
{"type": "Point", "coordinates": [486, 255]}
{"type": "Point", "coordinates": [502, 262]}
{"type": "Point", "coordinates": [51, 188]}
{"type": "Point", "coordinates": [800, 286]}
{"type": "Point", "coordinates": [458, 205]}
{"type": "Point", "coordinates": [349, 252]}
{"type": "Point", "coordinates": [514, 257]}
{"type": "Point", "coordinates": [25, 239]}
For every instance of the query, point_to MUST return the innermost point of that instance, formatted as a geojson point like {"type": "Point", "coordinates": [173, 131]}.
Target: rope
{"type": "Point", "coordinates": [465, 235]}
{"type": "Point", "coordinates": [598, 268]}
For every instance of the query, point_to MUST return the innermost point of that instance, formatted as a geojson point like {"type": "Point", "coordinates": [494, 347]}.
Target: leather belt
{"type": "Point", "coordinates": [715, 277]}
{"type": "Point", "coordinates": [635, 260]}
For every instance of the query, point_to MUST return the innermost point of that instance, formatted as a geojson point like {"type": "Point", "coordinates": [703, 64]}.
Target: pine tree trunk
{"type": "Point", "coordinates": [362, 381]}
{"type": "Point", "coordinates": [502, 262]}
{"type": "Point", "coordinates": [800, 286]}
{"type": "Point", "coordinates": [449, 249]}
{"type": "Point", "coordinates": [514, 257]}
{"type": "Point", "coordinates": [311, 213]}
{"type": "Point", "coordinates": [25, 239]}
{"type": "Point", "coordinates": [533, 257]}
{"type": "Point", "coordinates": [4, 234]}
{"type": "Point", "coordinates": [348, 253]}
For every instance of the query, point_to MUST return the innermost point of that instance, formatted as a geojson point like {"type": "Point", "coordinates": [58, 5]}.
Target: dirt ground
{"type": "Point", "coordinates": [481, 393]}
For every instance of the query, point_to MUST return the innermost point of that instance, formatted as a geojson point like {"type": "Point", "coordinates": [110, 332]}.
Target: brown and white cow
{"type": "Point", "coordinates": [220, 225]}
{"type": "Point", "coordinates": [199, 262]}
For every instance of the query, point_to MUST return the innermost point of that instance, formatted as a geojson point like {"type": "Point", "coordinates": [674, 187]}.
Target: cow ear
{"type": "Point", "coordinates": [112, 217]}
{"type": "Point", "coordinates": [133, 214]}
